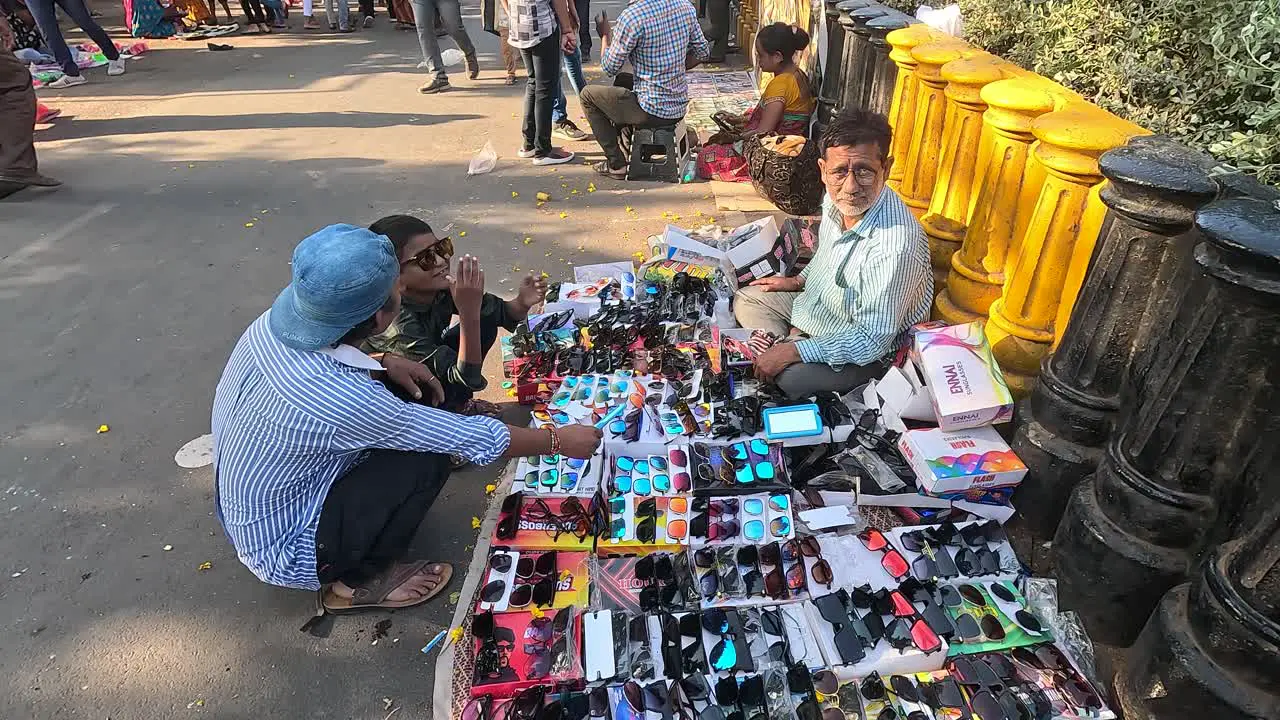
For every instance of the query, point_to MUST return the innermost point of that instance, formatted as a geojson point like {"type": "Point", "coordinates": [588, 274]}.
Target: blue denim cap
{"type": "Point", "coordinates": [342, 275]}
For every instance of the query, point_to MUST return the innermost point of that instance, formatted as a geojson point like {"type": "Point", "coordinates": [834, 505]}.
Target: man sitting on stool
{"type": "Point", "coordinates": [868, 283]}
{"type": "Point", "coordinates": [662, 40]}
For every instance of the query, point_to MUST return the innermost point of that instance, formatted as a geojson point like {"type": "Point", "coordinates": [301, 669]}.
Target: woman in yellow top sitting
{"type": "Point", "coordinates": [784, 109]}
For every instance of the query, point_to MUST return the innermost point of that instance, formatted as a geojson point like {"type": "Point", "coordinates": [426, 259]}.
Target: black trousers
{"type": "Point", "coordinates": [542, 63]}
{"type": "Point", "coordinates": [584, 25]}
{"type": "Point", "coordinates": [366, 8]}
{"type": "Point", "coordinates": [372, 513]}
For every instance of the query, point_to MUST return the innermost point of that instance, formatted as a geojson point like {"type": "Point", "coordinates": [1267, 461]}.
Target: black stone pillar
{"type": "Point", "coordinates": [1212, 648]}
{"type": "Point", "coordinates": [1156, 186]}
{"type": "Point", "coordinates": [857, 41]}
{"type": "Point", "coordinates": [833, 69]}
{"type": "Point", "coordinates": [1192, 464]}
{"type": "Point", "coordinates": [884, 72]}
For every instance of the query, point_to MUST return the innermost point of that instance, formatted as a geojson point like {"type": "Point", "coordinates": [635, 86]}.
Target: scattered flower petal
{"type": "Point", "coordinates": [455, 634]}
{"type": "Point", "coordinates": [167, 548]}
{"type": "Point", "coordinates": [536, 612]}
{"type": "Point", "coordinates": [206, 565]}
{"type": "Point", "coordinates": [248, 224]}
{"type": "Point", "coordinates": [488, 489]}
{"type": "Point", "coordinates": [564, 215]}
{"type": "Point", "coordinates": [462, 234]}
{"type": "Point", "coordinates": [475, 522]}
{"type": "Point", "coordinates": [103, 428]}
{"type": "Point", "coordinates": [591, 187]}
{"type": "Point", "coordinates": [543, 197]}
{"type": "Point", "coordinates": [515, 194]}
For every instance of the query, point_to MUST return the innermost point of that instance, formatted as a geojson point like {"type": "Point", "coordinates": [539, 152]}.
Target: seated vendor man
{"type": "Point", "coordinates": [662, 40]}
{"type": "Point", "coordinates": [322, 475]}
{"type": "Point", "coordinates": [424, 330]}
{"type": "Point", "coordinates": [869, 281]}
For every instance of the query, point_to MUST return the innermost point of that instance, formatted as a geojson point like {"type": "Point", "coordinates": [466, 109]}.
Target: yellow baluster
{"type": "Point", "coordinates": [1090, 228]}
{"type": "Point", "coordinates": [924, 147]}
{"type": "Point", "coordinates": [963, 161]}
{"type": "Point", "coordinates": [903, 107]}
{"type": "Point", "coordinates": [977, 271]}
{"type": "Point", "coordinates": [1022, 320]}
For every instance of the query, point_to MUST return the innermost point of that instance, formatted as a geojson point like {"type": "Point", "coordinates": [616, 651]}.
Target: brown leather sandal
{"type": "Point", "coordinates": [372, 595]}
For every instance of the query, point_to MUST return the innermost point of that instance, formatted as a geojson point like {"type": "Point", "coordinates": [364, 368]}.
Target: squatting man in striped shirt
{"type": "Point", "coordinates": [322, 475]}
{"type": "Point", "coordinates": [845, 315]}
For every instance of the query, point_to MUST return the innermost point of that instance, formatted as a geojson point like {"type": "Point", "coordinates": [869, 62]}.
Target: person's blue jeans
{"type": "Point", "coordinates": [424, 16]}
{"type": "Point", "coordinates": [572, 68]}
{"type": "Point", "coordinates": [47, 20]}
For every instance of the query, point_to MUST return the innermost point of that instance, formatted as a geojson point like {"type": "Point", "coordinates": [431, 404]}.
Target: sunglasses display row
{"type": "Point", "coordinates": [1028, 683]}
{"type": "Point", "coordinates": [661, 325]}
{"type": "Point", "coordinates": [754, 574]}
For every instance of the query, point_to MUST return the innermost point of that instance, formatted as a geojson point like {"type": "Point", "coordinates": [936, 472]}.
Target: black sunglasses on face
{"type": "Point", "coordinates": [427, 259]}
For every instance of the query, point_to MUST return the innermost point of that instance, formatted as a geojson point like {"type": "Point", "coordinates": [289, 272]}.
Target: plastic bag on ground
{"type": "Point", "coordinates": [483, 161]}
{"type": "Point", "coordinates": [452, 57]}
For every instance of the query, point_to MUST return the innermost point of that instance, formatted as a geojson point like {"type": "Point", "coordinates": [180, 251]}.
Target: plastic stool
{"type": "Point", "coordinates": [658, 153]}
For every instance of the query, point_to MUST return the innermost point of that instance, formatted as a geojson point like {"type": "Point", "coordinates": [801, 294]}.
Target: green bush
{"type": "Point", "coordinates": [1204, 71]}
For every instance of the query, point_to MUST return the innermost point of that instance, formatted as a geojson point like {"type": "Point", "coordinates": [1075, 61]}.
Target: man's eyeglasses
{"type": "Point", "coordinates": [862, 175]}
{"type": "Point", "coordinates": [441, 251]}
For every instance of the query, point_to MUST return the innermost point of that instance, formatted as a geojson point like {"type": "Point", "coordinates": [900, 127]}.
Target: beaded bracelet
{"type": "Point", "coordinates": [555, 440]}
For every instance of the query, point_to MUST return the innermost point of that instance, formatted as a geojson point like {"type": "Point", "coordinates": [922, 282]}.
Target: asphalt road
{"type": "Point", "coordinates": [123, 293]}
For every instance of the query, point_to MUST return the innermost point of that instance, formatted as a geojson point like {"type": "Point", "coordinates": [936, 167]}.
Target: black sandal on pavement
{"type": "Point", "coordinates": [603, 168]}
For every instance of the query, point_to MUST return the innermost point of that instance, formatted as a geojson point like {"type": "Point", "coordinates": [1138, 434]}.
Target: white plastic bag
{"type": "Point", "coordinates": [484, 160]}
{"type": "Point", "coordinates": [946, 19]}
{"type": "Point", "coordinates": [452, 57]}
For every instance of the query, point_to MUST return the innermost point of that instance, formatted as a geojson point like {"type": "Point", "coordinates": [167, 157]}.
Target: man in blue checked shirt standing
{"type": "Point", "coordinates": [322, 475]}
{"type": "Point", "coordinates": [662, 40]}
{"type": "Point", "coordinates": [849, 310]}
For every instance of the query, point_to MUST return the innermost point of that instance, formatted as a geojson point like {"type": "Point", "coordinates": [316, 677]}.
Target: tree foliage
{"type": "Point", "coordinates": [1204, 71]}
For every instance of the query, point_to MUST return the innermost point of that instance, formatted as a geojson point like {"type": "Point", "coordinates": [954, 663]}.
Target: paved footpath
{"type": "Point", "coordinates": [123, 294]}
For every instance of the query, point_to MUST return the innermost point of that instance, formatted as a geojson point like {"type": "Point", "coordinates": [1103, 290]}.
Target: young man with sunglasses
{"type": "Point", "coordinates": [322, 475]}
{"type": "Point", "coordinates": [424, 330]}
{"type": "Point", "coordinates": [849, 310]}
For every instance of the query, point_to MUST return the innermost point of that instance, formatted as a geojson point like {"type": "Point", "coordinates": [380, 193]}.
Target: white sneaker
{"type": "Point", "coordinates": [526, 153]}
{"type": "Point", "coordinates": [67, 81]}
{"type": "Point", "coordinates": [557, 157]}
{"type": "Point", "coordinates": [115, 67]}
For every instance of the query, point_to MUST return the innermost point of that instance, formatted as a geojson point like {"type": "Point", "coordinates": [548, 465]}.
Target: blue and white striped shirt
{"type": "Point", "coordinates": [865, 287]}
{"type": "Point", "coordinates": [288, 423]}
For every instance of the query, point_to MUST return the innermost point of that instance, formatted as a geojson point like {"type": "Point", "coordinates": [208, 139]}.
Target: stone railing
{"type": "Point", "coordinates": [1131, 292]}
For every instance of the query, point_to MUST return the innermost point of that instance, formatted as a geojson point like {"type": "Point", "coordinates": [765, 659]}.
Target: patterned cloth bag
{"type": "Point", "coordinates": [784, 170]}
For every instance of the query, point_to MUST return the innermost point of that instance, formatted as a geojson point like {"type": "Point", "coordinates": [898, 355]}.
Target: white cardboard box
{"type": "Point", "coordinates": [966, 384]}
{"type": "Point", "coordinates": [950, 462]}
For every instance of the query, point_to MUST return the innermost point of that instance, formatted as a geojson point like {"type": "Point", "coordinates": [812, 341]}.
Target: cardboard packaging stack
{"type": "Point", "coordinates": [952, 380]}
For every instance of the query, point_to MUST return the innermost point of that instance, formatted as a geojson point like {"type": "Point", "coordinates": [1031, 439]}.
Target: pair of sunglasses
{"type": "Point", "coordinates": [890, 559]}
{"type": "Point", "coordinates": [428, 257]}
